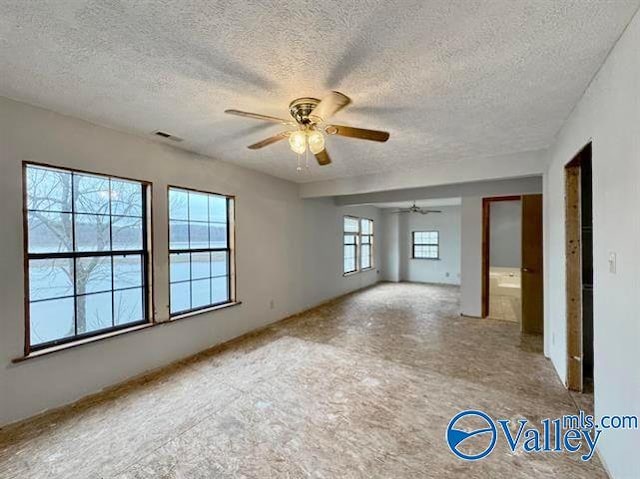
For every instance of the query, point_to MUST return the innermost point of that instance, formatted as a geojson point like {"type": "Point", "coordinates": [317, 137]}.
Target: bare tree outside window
{"type": "Point", "coordinates": [86, 251]}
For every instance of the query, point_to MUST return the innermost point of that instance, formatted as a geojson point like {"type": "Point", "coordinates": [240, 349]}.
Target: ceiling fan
{"type": "Point", "coordinates": [416, 209]}
{"type": "Point", "coordinates": [309, 126]}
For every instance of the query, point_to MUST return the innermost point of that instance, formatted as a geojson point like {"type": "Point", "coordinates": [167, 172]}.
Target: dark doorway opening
{"type": "Point", "coordinates": [579, 270]}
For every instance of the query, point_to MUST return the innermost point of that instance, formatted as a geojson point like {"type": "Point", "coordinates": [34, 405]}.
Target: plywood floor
{"type": "Point", "coordinates": [361, 387]}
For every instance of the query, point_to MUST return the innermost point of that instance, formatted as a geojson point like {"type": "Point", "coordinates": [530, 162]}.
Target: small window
{"type": "Point", "coordinates": [425, 245]}
{"type": "Point", "coordinates": [200, 250]}
{"type": "Point", "coordinates": [87, 253]}
{"type": "Point", "coordinates": [366, 241]}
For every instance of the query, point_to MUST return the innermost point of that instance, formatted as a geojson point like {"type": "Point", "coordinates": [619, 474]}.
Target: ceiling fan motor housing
{"type": "Point", "coordinates": [301, 108]}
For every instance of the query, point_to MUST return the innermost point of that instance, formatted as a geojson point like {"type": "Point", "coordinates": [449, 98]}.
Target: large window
{"type": "Point", "coordinates": [200, 250]}
{"type": "Point", "coordinates": [87, 254]}
{"type": "Point", "coordinates": [366, 240]}
{"type": "Point", "coordinates": [357, 244]}
{"type": "Point", "coordinates": [425, 245]}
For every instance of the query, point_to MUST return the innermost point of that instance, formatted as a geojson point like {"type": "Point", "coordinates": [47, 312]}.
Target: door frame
{"type": "Point", "coordinates": [573, 268]}
{"type": "Point", "coordinates": [486, 237]}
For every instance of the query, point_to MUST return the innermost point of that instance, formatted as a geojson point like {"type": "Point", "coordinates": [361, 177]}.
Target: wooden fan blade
{"type": "Point", "coordinates": [256, 116]}
{"type": "Point", "coordinates": [323, 158]}
{"type": "Point", "coordinates": [361, 133]}
{"type": "Point", "coordinates": [268, 141]}
{"type": "Point", "coordinates": [330, 105]}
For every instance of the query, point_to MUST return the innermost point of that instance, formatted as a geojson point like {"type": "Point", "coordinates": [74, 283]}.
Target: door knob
{"type": "Point", "coordinates": [526, 270]}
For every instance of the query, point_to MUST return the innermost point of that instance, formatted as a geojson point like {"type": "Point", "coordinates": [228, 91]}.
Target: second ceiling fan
{"type": "Point", "coordinates": [309, 126]}
{"type": "Point", "coordinates": [416, 209]}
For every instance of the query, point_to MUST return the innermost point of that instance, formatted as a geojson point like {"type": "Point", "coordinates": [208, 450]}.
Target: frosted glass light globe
{"type": "Point", "coordinates": [298, 142]}
{"type": "Point", "coordinates": [316, 142]}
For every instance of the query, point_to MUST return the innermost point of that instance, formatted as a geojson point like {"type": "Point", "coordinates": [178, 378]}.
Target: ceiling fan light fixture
{"type": "Point", "coordinates": [316, 141]}
{"type": "Point", "coordinates": [298, 142]}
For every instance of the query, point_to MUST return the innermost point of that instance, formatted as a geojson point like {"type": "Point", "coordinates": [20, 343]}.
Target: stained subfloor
{"type": "Point", "coordinates": [361, 387]}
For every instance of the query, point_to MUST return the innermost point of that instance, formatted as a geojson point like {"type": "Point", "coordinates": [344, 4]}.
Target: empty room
{"type": "Point", "coordinates": [319, 239]}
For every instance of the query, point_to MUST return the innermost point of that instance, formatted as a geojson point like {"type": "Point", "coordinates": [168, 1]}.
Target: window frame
{"type": "Point", "coordinates": [230, 250]}
{"type": "Point", "coordinates": [356, 235]}
{"type": "Point", "coordinates": [146, 254]}
{"type": "Point", "coordinates": [371, 240]}
{"type": "Point", "coordinates": [414, 244]}
{"type": "Point", "coordinates": [358, 245]}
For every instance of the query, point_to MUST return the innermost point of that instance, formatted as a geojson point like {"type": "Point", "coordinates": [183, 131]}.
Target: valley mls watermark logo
{"type": "Point", "coordinates": [488, 433]}
{"type": "Point", "coordinates": [472, 435]}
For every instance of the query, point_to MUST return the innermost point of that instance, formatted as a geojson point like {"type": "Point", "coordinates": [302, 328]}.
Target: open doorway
{"type": "Point", "coordinates": [505, 260]}
{"type": "Point", "coordinates": [512, 260]}
{"type": "Point", "coordinates": [579, 271]}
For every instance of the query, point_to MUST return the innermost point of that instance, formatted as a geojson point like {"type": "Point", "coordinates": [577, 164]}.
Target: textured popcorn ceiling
{"type": "Point", "coordinates": [448, 79]}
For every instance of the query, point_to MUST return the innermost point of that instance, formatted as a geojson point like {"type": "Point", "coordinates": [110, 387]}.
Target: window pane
{"type": "Point", "coordinates": [200, 293]}
{"type": "Point", "coordinates": [50, 232]}
{"type": "Point", "coordinates": [178, 204]}
{"type": "Point", "coordinates": [48, 189]}
{"type": "Point", "coordinates": [349, 239]}
{"type": "Point", "coordinates": [198, 207]}
{"type": "Point", "coordinates": [92, 233]}
{"type": "Point", "coordinates": [127, 233]}
{"type": "Point", "coordinates": [127, 271]}
{"type": "Point", "coordinates": [367, 226]}
{"type": "Point", "coordinates": [219, 263]}
{"type": "Point", "coordinates": [94, 312]}
{"type": "Point", "coordinates": [200, 265]}
{"type": "Point", "coordinates": [219, 289]}
{"type": "Point", "coordinates": [128, 306]}
{"type": "Point", "coordinates": [365, 251]}
{"type": "Point", "coordinates": [126, 198]}
{"type": "Point", "coordinates": [180, 297]}
{"type": "Point", "coordinates": [349, 264]}
{"type": "Point", "coordinates": [199, 235]}
{"type": "Point", "coordinates": [50, 278]}
{"type": "Point", "coordinates": [180, 269]}
{"type": "Point", "coordinates": [351, 225]}
{"type": "Point", "coordinates": [93, 274]}
{"type": "Point", "coordinates": [51, 320]}
{"type": "Point", "coordinates": [91, 194]}
{"type": "Point", "coordinates": [217, 209]}
{"type": "Point", "coordinates": [179, 235]}
{"type": "Point", "coordinates": [218, 235]}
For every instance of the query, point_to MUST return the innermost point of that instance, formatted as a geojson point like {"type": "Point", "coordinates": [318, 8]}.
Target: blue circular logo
{"type": "Point", "coordinates": [456, 436]}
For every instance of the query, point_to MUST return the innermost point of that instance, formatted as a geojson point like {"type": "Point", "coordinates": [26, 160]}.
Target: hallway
{"type": "Point", "coordinates": [363, 386]}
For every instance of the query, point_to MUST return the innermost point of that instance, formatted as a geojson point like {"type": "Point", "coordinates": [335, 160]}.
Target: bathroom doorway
{"type": "Point", "coordinates": [505, 259]}
{"type": "Point", "coordinates": [512, 261]}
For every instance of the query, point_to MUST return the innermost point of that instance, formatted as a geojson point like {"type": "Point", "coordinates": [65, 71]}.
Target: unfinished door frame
{"type": "Point", "coordinates": [573, 270]}
{"type": "Point", "coordinates": [486, 237]}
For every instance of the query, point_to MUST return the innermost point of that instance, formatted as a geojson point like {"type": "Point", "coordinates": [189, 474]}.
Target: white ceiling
{"type": "Point", "coordinates": [421, 203]}
{"type": "Point", "coordinates": [448, 79]}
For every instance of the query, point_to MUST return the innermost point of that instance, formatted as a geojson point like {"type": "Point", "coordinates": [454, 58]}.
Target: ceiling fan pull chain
{"type": "Point", "coordinates": [299, 168]}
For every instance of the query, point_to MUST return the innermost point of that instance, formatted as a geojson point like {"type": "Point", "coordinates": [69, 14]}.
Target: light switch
{"type": "Point", "coordinates": [612, 263]}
